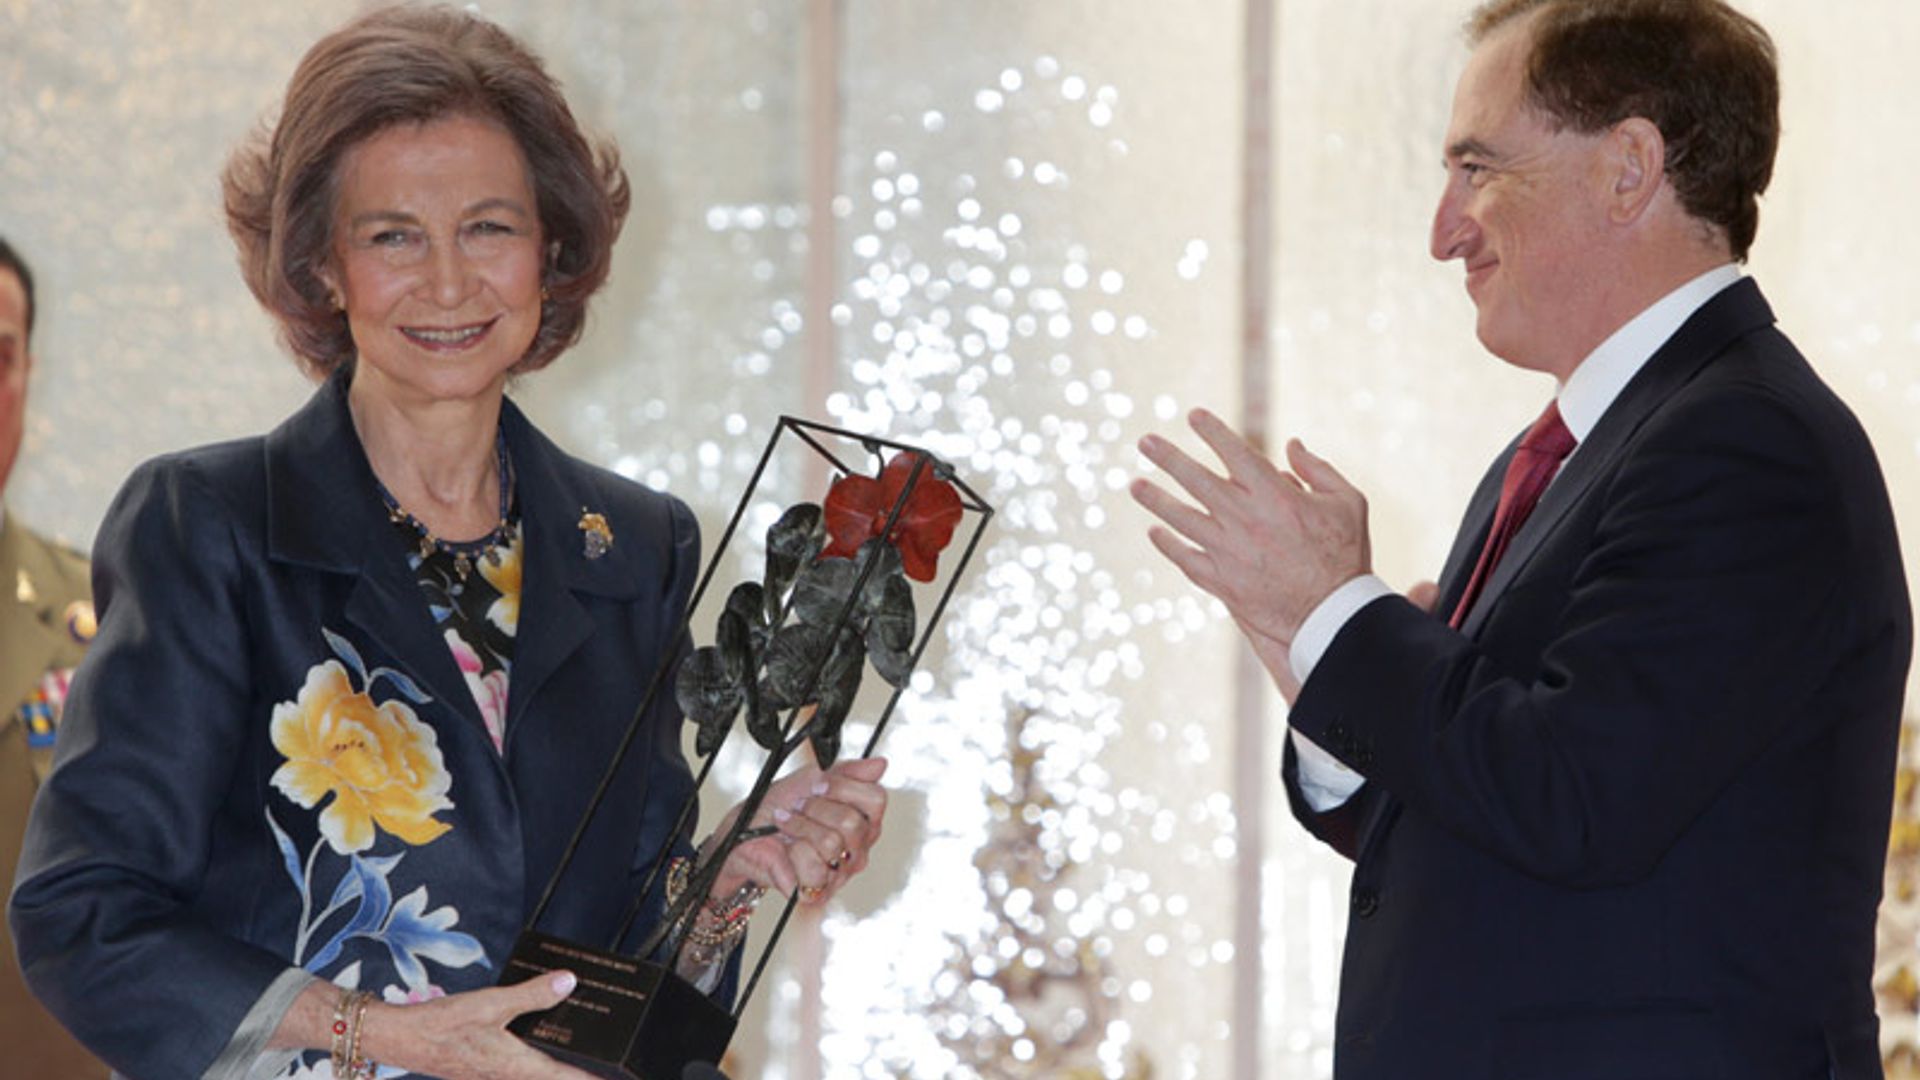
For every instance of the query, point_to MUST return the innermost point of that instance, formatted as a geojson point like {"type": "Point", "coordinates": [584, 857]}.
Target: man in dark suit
{"type": "Point", "coordinates": [46, 620]}
{"type": "Point", "coordinates": [1618, 794]}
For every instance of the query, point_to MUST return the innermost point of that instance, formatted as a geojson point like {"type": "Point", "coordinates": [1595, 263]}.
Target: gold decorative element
{"type": "Point", "coordinates": [599, 535]}
{"type": "Point", "coordinates": [721, 923]}
{"type": "Point", "coordinates": [81, 624]}
{"type": "Point", "coordinates": [23, 589]}
{"type": "Point", "coordinates": [489, 549]}
{"type": "Point", "coordinates": [349, 1013]}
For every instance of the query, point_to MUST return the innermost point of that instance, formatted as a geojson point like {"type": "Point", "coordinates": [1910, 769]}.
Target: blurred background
{"type": "Point", "coordinates": [1022, 235]}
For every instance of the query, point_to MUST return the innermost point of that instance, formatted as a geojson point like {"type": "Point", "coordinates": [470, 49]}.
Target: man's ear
{"type": "Point", "coordinates": [1637, 166]}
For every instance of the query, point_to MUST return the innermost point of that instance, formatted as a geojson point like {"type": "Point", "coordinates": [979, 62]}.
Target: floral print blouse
{"type": "Point", "coordinates": [478, 613]}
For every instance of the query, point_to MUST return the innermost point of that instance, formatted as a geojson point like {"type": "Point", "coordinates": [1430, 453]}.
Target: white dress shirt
{"type": "Point", "coordinates": [1586, 395]}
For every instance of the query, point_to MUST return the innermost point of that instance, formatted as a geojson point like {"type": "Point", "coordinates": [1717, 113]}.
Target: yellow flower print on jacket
{"type": "Point", "coordinates": [505, 578]}
{"type": "Point", "coordinates": [381, 764]}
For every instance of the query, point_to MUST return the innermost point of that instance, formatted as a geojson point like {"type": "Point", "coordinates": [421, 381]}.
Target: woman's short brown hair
{"type": "Point", "coordinates": [1703, 73]}
{"type": "Point", "coordinates": [410, 65]}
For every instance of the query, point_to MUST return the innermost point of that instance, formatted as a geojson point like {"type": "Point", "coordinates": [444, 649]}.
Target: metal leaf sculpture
{"type": "Point", "coordinates": [763, 715]}
{"type": "Point", "coordinates": [792, 648]}
{"type": "Point", "coordinates": [793, 659]}
{"type": "Point", "coordinates": [889, 569]}
{"type": "Point", "coordinates": [890, 627]}
{"type": "Point", "coordinates": [709, 695]}
{"type": "Point", "coordinates": [792, 542]}
{"type": "Point", "coordinates": [839, 684]}
{"type": "Point", "coordinates": [747, 601]}
{"type": "Point", "coordinates": [713, 683]}
{"type": "Point", "coordinates": [735, 643]}
{"type": "Point", "coordinates": [800, 637]}
{"type": "Point", "coordinates": [820, 595]}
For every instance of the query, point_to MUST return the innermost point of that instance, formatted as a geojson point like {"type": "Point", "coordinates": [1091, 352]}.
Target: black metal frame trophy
{"type": "Point", "coordinates": [789, 652]}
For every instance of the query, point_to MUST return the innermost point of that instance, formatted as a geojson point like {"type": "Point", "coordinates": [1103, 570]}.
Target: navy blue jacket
{"type": "Point", "coordinates": [262, 638]}
{"type": "Point", "coordinates": [1631, 819]}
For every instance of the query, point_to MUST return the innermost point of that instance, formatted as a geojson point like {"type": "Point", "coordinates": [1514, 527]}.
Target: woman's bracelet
{"type": "Point", "coordinates": [722, 922]}
{"type": "Point", "coordinates": [349, 1013]}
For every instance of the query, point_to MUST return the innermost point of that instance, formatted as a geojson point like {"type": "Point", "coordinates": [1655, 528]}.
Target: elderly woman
{"type": "Point", "coordinates": [355, 680]}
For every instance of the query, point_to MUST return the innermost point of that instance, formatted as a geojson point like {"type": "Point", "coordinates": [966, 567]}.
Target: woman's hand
{"type": "Point", "coordinates": [827, 823]}
{"type": "Point", "coordinates": [458, 1037]}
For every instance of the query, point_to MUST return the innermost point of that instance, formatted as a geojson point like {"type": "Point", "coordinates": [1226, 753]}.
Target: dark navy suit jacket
{"type": "Point", "coordinates": [169, 877]}
{"type": "Point", "coordinates": [1630, 820]}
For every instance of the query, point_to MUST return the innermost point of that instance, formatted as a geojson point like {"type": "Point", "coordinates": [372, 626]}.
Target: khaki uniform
{"type": "Point", "coordinates": [46, 619]}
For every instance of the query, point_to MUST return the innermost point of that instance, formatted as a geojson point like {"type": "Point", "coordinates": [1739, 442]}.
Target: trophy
{"type": "Point", "coordinates": [789, 653]}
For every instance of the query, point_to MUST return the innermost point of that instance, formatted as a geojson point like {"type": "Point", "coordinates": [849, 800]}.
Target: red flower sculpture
{"type": "Point", "coordinates": [857, 507]}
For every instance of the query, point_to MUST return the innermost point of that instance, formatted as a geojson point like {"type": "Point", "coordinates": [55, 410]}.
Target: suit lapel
{"type": "Point", "coordinates": [1735, 311]}
{"type": "Point", "coordinates": [324, 512]}
{"type": "Point", "coordinates": [553, 624]}
{"type": "Point", "coordinates": [554, 493]}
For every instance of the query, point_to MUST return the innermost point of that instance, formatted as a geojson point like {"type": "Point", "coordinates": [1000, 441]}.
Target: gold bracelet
{"type": "Point", "coordinates": [720, 924]}
{"type": "Point", "coordinates": [359, 1067]}
{"type": "Point", "coordinates": [349, 1011]}
{"type": "Point", "coordinates": [341, 1047]}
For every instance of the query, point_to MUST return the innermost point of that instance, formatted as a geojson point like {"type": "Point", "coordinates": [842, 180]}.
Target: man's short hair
{"type": "Point", "coordinates": [1703, 73]}
{"type": "Point", "coordinates": [11, 260]}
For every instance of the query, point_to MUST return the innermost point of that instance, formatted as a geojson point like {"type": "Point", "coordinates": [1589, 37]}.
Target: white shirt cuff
{"type": "Point", "coordinates": [1324, 782]}
{"type": "Point", "coordinates": [1317, 632]}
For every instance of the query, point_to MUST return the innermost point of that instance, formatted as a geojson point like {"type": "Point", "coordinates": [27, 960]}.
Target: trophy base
{"type": "Point", "coordinates": [627, 1019]}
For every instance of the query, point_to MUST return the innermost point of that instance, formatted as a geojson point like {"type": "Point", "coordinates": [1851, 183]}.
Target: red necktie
{"type": "Point", "coordinates": [1545, 445]}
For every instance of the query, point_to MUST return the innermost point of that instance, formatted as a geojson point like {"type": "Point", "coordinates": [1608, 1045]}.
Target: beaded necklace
{"type": "Point", "coordinates": [463, 552]}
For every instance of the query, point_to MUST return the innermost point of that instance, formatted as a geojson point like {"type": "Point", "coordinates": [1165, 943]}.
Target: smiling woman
{"type": "Point", "coordinates": [309, 777]}
{"type": "Point", "coordinates": [437, 261]}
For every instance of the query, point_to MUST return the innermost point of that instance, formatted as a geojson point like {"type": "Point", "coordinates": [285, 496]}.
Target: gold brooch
{"type": "Point", "coordinates": [599, 537]}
